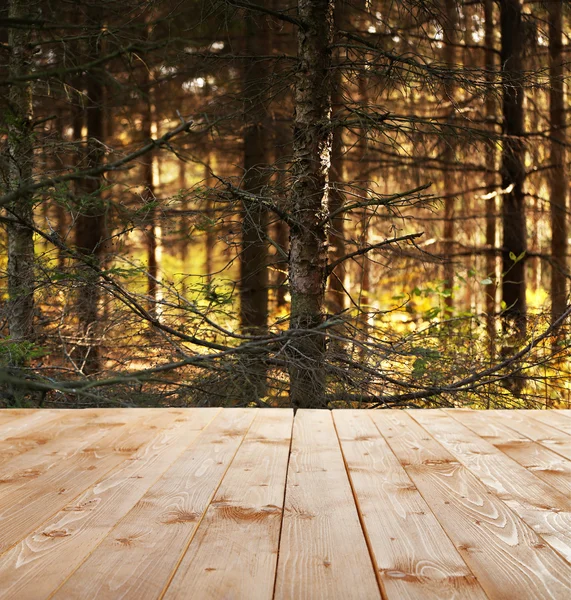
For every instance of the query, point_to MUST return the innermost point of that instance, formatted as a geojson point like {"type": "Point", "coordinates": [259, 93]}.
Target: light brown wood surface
{"type": "Point", "coordinates": [207, 503]}
{"type": "Point", "coordinates": [323, 552]}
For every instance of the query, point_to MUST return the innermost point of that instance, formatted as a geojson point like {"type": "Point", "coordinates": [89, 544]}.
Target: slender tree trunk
{"type": "Point", "coordinates": [21, 260]}
{"type": "Point", "coordinates": [558, 179]}
{"type": "Point", "coordinates": [513, 170]}
{"type": "Point", "coordinates": [449, 154]}
{"type": "Point", "coordinates": [308, 202]}
{"type": "Point", "coordinates": [337, 294]}
{"type": "Point", "coordinates": [148, 180]}
{"type": "Point", "coordinates": [364, 261]}
{"type": "Point", "coordinates": [254, 253]}
{"type": "Point", "coordinates": [210, 240]}
{"type": "Point", "coordinates": [490, 149]}
{"type": "Point", "coordinates": [282, 154]}
{"type": "Point", "coordinates": [90, 225]}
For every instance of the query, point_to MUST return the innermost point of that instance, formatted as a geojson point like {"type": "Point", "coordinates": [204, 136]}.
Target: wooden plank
{"type": "Point", "coordinates": [509, 559]}
{"type": "Point", "coordinates": [38, 565]}
{"type": "Point", "coordinates": [139, 556]}
{"type": "Point", "coordinates": [547, 436]}
{"type": "Point", "coordinates": [548, 466]}
{"type": "Point", "coordinates": [323, 552]}
{"type": "Point", "coordinates": [43, 433]}
{"type": "Point", "coordinates": [87, 427]}
{"type": "Point", "coordinates": [553, 418]}
{"type": "Point", "coordinates": [546, 510]}
{"type": "Point", "coordinates": [414, 556]}
{"type": "Point", "coordinates": [24, 508]}
{"type": "Point", "coordinates": [27, 422]}
{"type": "Point", "coordinates": [234, 552]}
{"type": "Point", "coordinates": [11, 414]}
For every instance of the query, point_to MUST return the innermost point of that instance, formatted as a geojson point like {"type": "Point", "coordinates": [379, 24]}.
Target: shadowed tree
{"type": "Point", "coordinates": [308, 201]}
{"type": "Point", "coordinates": [558, 176]}
{"type": "Point", "coordinates": [20, 169]}
{"type": "Point", "coordinates": [90, 223]}
{"type": "Point", "coordinates": [513, 169]}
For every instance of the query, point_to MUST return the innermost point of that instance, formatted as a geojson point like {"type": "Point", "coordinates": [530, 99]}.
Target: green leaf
{"type": "Point", "coordinates": [486, 281]}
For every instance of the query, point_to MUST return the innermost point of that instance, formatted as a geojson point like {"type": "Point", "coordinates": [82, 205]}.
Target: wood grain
{"type": "Point", "coordinates": [51, 433]}
{"type": "Point", "coordinates": [323, 553]}
{"type": "Point", "coordinates": [25, 507]}
{"type": "Point", "coordinates": [546, 510]}
{"type": "Point", "coordinates": [553, 418]}
{"type": "Point", "coordinates": [234, 552]}
{"type": "Point", "coordinates": [547, 436]}
{"type": "Point", "coordinates": [414, 556]}
{"type": "Point", "coordinates": [139, 556]}
{"type": "Point", "coordinates": [542, 462]}
{"type": "Point", "coordinates": [11, 414]}
{"type": "Point", "coordinates": [21, 424]}
{"type": "Point", "coordinates": [509, 559]}
{"type": "Point", "coordinates": [38, 565]}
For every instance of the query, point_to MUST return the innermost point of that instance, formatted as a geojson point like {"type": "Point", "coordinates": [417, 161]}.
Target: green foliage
{"type": "Point", "coordinates": [19, 352]}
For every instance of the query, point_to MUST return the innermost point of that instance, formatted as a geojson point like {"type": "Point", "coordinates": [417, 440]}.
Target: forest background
{"type": "Point", "coordinates": [322, 204]}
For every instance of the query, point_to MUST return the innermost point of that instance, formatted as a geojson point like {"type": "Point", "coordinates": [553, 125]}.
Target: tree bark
{"type": "Point", "coordinates": [148, 180]}
{"type": "Point", "coordinates": [90, 224]}
{"type": "Point", "coordinates": [558, 179]}
{"type": "Point", "coordinates": [337, 294]}
{"type": "Point", "coordinates": [21, 260]}
{"type": "Point", "coordinates": [308, 203]}
{"type": "Point", "coordinates": [281, 229]}
{"type": "Point", "coordinates": [449, 154]}
{"type": "Point", "coordinates": [513, 170]}
{"type": "Point", "coordinates": [491, 204]}
{"type": "Point", "coordinates": [254, 251]}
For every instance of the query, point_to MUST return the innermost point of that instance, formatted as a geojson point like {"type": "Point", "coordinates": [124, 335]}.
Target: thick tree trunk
{"type": "Point", "coordinates": [449, 154]}
{"type": "Point", "coordinates": [491, 205]}
{"type": "Point", "coordinates": [254, 252]}
{"type": "Point", "coordinates": [558, 179]}
{"type": "Point", "coordinates": [308, 203]}
{"type": "Point", "coordinates": [513, 170]}
{"type": "Point", "coordinates": [90, 224]}
{"type": "Point", "coordinates": [21, 278]}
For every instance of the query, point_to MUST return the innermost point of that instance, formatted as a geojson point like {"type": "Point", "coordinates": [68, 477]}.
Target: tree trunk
{"type": "Point", "coordinates": [254, 252]}
{"type": "Point", "coordinates": [210, 238]}
{"type": "Point", "coordinates": [281, 228]}
{"type": "Point", "coordinates": [21, 260]}
{"type": "Point", "coordinates": [449, 154]}
{"type": "Point", "coordinates": [337, 292]}
{"type": "Point", "coordinates": [490, 149]}
{"type": "Point", "coordinates": [513, 170]}
{"type": "Point", "coordinates": [90, 224]}
{"type": "Point", "coordinates": [148, 180]}
{"type": "Point", "coordinates": [308, 203]}
{"type": "Point", "coordinates": [558, 180]}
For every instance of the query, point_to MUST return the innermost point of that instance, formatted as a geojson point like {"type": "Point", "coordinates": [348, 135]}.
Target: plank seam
{"type": "Point", "coordinates": [51, 515]}
{"type": "Point", "coordinates": [382, 590]}
{"type": "Point", "coordinates": [549, 425]}
{"type": "Point", "coordinates": [283, 509]}
{"type": "Point", "coordinates": [524, 523]}
{"type": "Point", "coordinates": [212, 496]}
{"type": "Point", "coordinates": [469, 569]}
{"type": "Point", "coordinates": [544, 448]}
{"type": "Point", "coordinates": [96, 546]}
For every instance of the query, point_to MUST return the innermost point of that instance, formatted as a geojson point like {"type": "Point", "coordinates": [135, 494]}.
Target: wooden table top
{"type": "Point", "coordinates": [208, 503]}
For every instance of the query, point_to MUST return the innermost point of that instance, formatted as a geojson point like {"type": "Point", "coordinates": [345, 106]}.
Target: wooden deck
{"type": "Point", "coordinates": [254, 504]}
